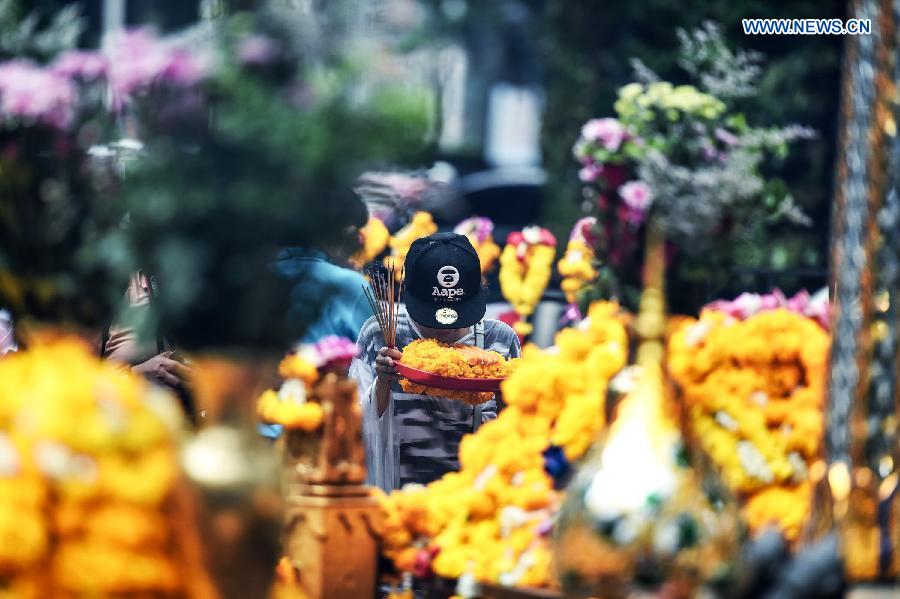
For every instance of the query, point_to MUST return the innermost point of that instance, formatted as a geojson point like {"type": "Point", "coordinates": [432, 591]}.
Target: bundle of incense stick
{"type": "Point", "coordinates": [383, 293]}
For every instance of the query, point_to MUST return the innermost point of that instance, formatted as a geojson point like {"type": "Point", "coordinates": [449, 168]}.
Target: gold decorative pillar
{"type": "Point", "coordinates": [858, 483]}
{"type": "Point", "coordinates": [332, 518]}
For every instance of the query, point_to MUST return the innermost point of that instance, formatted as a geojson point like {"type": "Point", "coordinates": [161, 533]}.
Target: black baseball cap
{"type": "Point", "coordinates": [443, 282]}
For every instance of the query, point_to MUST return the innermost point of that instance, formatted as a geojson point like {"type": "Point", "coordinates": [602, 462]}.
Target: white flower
{"type": "Point", "coordinates": [10, 461]}
{"type": "Point", "coordinates": [293, 390]}
{"type": "Point", "coordinates": [753, 462]}
{"type": "Point", "coordinates": [725, 420]}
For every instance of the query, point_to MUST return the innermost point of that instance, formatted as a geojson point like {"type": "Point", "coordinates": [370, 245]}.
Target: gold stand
{"type": "Point", "coordinates": [332, 525]}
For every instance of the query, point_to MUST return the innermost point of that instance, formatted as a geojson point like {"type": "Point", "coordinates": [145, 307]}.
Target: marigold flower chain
{"type": "Point", "coordinates": [526, 265]}
{"type": "Point", "coordinates": [754, 391]}
{"type": "Point", "coordinates": [421, 225]}
{"type": "Point", "coordinates": [489, 520]}
{"type": "Point", "coordinates": [375, 238]}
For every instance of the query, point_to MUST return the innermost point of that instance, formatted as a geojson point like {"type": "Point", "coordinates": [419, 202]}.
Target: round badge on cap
{"type": "Point", "coordinates": [446, 316]}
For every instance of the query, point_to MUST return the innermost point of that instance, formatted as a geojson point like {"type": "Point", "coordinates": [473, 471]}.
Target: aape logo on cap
{"type": "Point", "coordinates": [447, 278]}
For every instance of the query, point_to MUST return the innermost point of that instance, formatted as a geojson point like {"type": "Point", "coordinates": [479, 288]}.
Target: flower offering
{"type": "Point", "coordinates": [577, 265]}
{"type": "Point", "coordinates": [526, 266]}
{"type": "Point", "coordinates": [88, 471]}
{"type": "Point", "coordinates": [454, 361]}
{"type": "Point", "coordinates": [491, 520]}
{"type": "Point", "coordinates": [479, 230]}
{"type": "Point", "coordinates": [293, 406]}
{"type": "Point", "coordinates": [754, 391]}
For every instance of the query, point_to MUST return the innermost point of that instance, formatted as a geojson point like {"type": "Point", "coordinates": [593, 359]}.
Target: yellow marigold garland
{"type": "Point", "coordinates": [577, 265]}
{"type": "Point", "coordinates": [290, 406]}
{"type": "Point", "coordinates": [526, 265]}
{"type": "Point", "coordinates": [375, 237]}
{"type": "Point", "coordinates": [87, 464]}
{"type": "Point", "coordinates": [486, 520]}
{"type": "Point", "coordinates": [754, 392]}
{"type": "Point", "coordinates": [293, 405]}
{"type": "Point", "coordinates": [576, 268]}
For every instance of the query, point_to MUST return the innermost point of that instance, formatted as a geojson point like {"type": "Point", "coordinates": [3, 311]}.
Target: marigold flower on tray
{"type": "Point", "coordinates": [456, 361]}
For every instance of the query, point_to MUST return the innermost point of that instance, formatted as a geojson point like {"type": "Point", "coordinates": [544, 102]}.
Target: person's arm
{"type": "Point", "coordinates": [507, 343]}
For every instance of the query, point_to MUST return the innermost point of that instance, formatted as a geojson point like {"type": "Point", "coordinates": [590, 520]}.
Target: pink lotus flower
{"type": "Point", "coordinates": [610, 133]}
{"type": "Point", "coordinates": [79, 64]}
{"type": "Point", "coordinates": [32, 93]}
{"type": "Point", "coordinates": [636, 195]}
{"type": "Point", "coordinates": [256, 50]}
{"type": "Point", "coordinates": [590, 172]}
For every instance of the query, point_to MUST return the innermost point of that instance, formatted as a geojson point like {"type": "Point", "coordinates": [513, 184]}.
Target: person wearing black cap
{"type": "Point", "coordinates": [412, 438]}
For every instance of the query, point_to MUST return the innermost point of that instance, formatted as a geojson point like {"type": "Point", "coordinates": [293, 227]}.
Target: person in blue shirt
{"type": "Point", "coordinates": [329, 296]}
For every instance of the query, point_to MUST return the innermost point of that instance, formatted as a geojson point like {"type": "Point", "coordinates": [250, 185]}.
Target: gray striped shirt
{"type": "Point", "coordinates": [417, 438]}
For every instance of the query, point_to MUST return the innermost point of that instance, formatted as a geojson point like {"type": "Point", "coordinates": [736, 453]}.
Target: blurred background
{"type": "Point", "coordinates": [509, 82]}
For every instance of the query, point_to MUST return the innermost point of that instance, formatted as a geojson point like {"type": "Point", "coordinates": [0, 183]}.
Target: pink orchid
{"type": "Point", "coordinates": [32, 93]}
{"type": "Point", "coordinates": [609, 132]}
{"type": "Point", "coordinates": [590, 172]}
{"type": "Point", "coordinates": [138, 59]}
{"type": "Point", "coordinates": [80, 64]}
{"type": "Point", "coordinates": [636, 195]}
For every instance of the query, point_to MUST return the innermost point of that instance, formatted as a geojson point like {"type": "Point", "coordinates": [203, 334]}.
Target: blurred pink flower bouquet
{"type": "Point", "coordinates": [683, 157]}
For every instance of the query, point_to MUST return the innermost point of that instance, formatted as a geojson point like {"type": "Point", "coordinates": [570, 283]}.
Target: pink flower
{"type": "Point", "coordinates": [609, 132]}
{"type": "Point", "coordinates": [79, 64]}
{"type": "Point", "coordinates": [726, 137]}
{"type": "Point", "coordinates": [799, 303]}
{"type": "Point", "coordinates": [590, 172]}
{"type": "Point", "coordinates": [773, 300]}
{"type": "Point", "coordinates": [584, 230]}
{"type": "Point", "coordinates": [636, 195]}
{"type": "Point", "coordinates": [32, 93]}
{"type": "Point", "coordinates": [138, 59]}
{"type": "Point", "coordinates": [329, 350]}
{"type": "Point", "coordinates": [479, 228]}
{"type": "Point", "coordinates": [256, 50]}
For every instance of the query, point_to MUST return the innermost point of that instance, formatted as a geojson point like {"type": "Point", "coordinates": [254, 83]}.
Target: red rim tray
{"type": "Point", "coordinates": [452, 383]}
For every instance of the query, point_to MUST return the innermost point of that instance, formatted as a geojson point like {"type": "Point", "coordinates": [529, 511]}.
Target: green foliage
{"type": "Point", "coordinates": [585, 46]}
{"type": "Point", "coordinates": [36, 35]}
{"type": "Point", "coordinates": [255, 158]}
